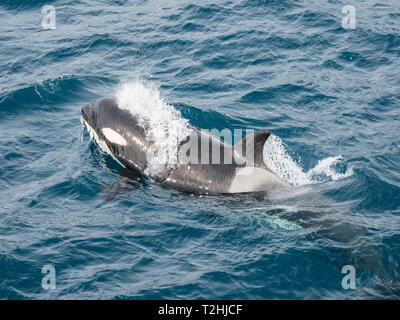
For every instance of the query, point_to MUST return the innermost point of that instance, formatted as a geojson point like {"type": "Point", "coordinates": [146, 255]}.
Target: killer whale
{"type": "Point", "coordinates": [204, 163]}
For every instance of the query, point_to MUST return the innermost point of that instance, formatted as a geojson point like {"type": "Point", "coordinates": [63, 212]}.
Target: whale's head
{"type": "Point", "coordinates": [117, 132]}
{"type": "Point", "coordinates": [103, 113]}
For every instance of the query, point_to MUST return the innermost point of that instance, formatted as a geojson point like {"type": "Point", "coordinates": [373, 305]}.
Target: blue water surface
{"type": "Point", "coordinates": [285, 66]}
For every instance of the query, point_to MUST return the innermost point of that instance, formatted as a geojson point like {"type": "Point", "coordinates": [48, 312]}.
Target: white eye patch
{"type": "Point", "coordinates": [114, 136]}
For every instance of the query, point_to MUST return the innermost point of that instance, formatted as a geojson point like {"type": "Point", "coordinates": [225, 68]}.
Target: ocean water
{"type": "Point", "coordinates": [329, 95]}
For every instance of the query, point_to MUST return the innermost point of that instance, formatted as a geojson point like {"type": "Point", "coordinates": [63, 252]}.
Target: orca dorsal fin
{"type": "Point", "coordinates": [251, 147]}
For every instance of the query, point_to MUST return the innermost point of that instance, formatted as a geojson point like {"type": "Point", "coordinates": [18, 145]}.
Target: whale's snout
{"type": "Point", "coordinates": [88, 114]}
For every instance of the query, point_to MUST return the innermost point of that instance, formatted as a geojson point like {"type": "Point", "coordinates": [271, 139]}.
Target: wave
{"type": "Point", "coordinates": [50, 94]}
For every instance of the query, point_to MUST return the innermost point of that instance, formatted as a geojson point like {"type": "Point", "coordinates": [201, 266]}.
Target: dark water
{"type": "Point", "coordinates": [331, 96]}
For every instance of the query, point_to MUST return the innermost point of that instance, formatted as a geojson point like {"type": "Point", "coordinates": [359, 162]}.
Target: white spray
{"type": "Point", "coordinates": [278, 160]}
{"type": "Point", "coordinates": [162, 122]}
